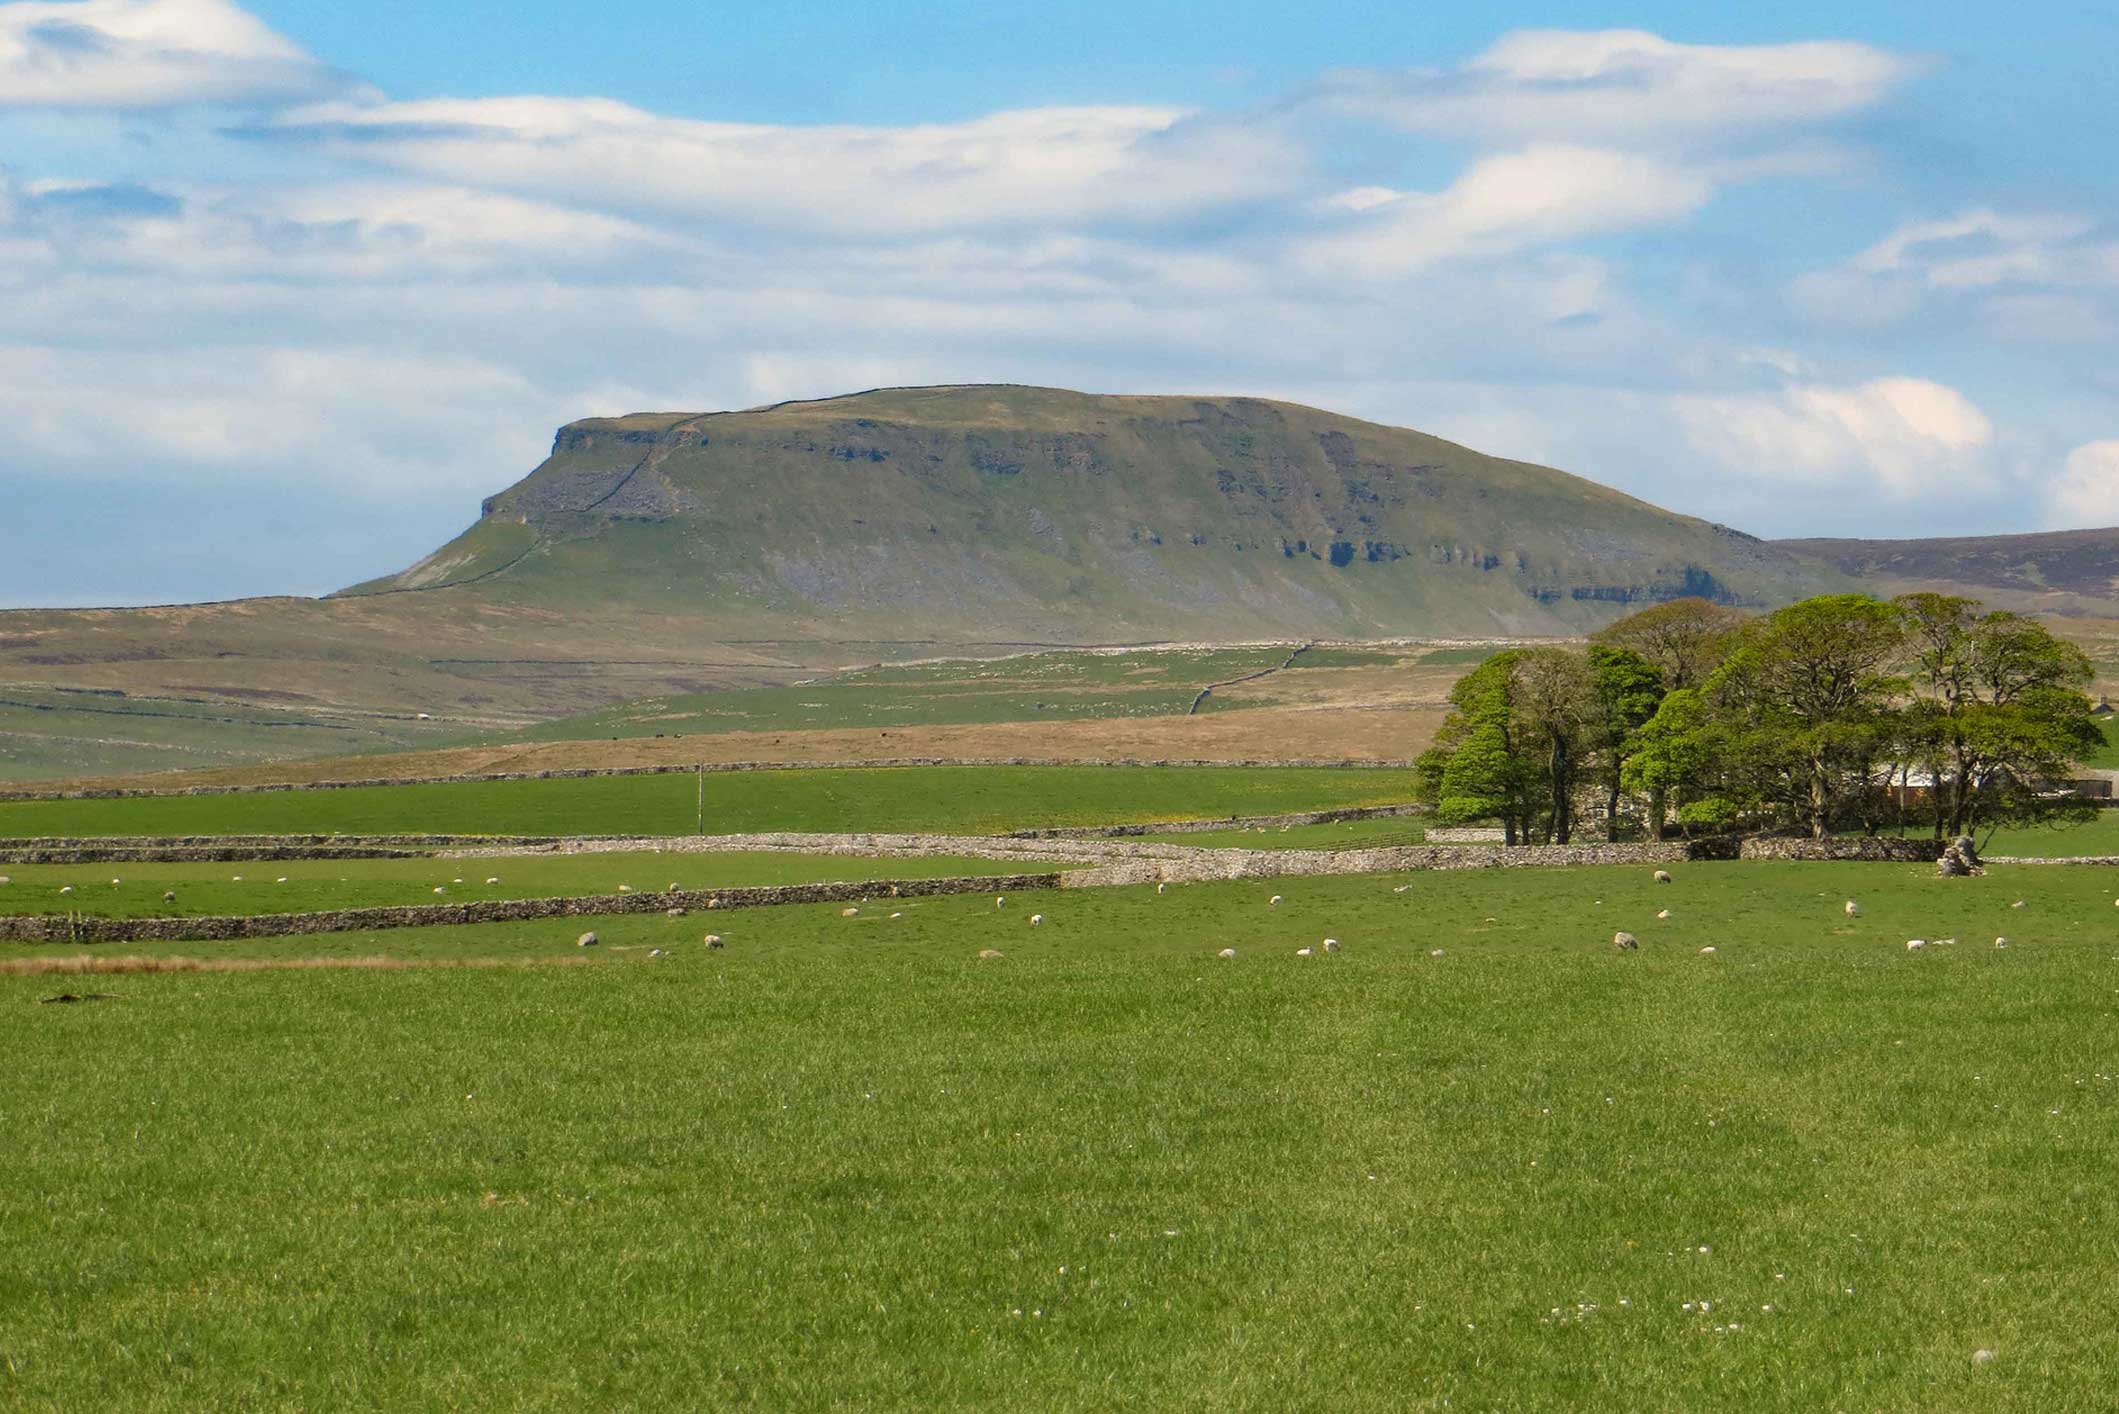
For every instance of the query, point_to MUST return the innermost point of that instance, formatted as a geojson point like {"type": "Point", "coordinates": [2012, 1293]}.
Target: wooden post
{"type": "Point", "coordinates": [702, 799]}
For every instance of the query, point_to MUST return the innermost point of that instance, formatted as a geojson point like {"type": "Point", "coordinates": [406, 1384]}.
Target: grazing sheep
{"type": "Point", "coordinates": [1302, 952]}
{"type": "Point", "coordinates": [115, 882]}
{"type": "Point", "coordinates": [654, 952]}
{"type": "Point", "coordinates": [439, 889]}
{"type": "Point", "coordinates": [713, 940]}
{"type": "Point", "coordinates": [494, 880]}
{"type": "Point", "coordinates": [897, 915]}
{"type": "Point", "coordinates": [625, 888]}
{"type": "Point", "coordinates": [1226, 952]}
{"type": "Point", "coordinates": [849, 913]}
{"type": "Point", "coordinates": [1625, 942]}
{"type": "Point", "coordinates": [1331, 945]}
{"type": "Point", "coordinates": [169, 897]}
{"type": "Point", "coordinates": [1915, 944]}
{"type": "Point", "coordinates": [673, 888]}
{"type": "Point", "coordinates": [1001, 902]}
{"type": "Point", "coordinates": [236, 879]}
{"type": "Point", "coordinates": [5, 880]}
{"type": "Point", "coordinates": [987, 954]}
{"type": "Point", "coordinates": [281, 880]}
{"type": "Point", "coordinates": [1709, 948]}
{"type": "Point", "coordinates": [1664, 914]}
{"type": "Point", "coordinates": [1162, 888]}
{"type": "Point", "coordinates": [2017, 904]}
{"type": "Point", "coordinates": [586, 940]}
{"type": "Point", "coordinates": [66, 888]}
{"type": "Point", "coordinates": [2001, 942]}
{"type": "Point", "coordinates": [674, 912]}
{"type": "Point", "coordinates": [1662, 876]}
{"type": "Point", "coordinates": [1036, 919]}
{"type": "Point", "coordinates": [456, 881]}
{"type": "Point", "coordinates": [1853, 909]}
{"type": "Point", "coordinates": [1273, 902]}
{"type": "Point", "coordinates": [1436, 953]}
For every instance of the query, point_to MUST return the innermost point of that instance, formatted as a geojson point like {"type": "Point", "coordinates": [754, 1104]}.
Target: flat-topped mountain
{"type": "Point", "coordinates": [1002, 513]}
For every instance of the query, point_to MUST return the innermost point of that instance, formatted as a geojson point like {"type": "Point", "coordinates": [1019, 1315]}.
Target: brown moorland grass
{"type": "Point", "coordinates": [1351, 733]}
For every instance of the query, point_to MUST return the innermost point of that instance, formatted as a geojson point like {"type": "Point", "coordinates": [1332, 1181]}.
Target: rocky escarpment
{"type": "Point", "coordinates": [1037, 515]}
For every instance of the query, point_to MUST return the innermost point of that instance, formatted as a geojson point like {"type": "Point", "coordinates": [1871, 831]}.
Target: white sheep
{"type": "Point", "coordinates": [1662, 876]}
{"type": "Point", "coordinates": [1853, 909]}
{"type": "Point", "coordinates": [625, 888]}
{"type": "Point", "coordinates": [1708, 948]}
{"type": "Point", "coordinates": [1162, 888]}
{"type": "Point", "coordinates": [115, 882]}
{"type": "Point", "coordinates": [1036, 919]}
{"type": "Point", "coordinates": [439, 889]}
{"type": "Point", "coordinates": [1663, 915]}
{"type": "Point", "coordinates": [1915, 944]}
{"type": "Point", "coordinates": [1625, 942]}
{"type": "Point", "coordinates": [1302, 952]}
{"type": "Point", "coordinates": [1436, 953]}
{"type": "Point", "coordinates": [66, 888]}
{"type": "Point", "coordinates": [2017, 904]}
{"type": "Point", "coordinates": [1001, 902]}
{"type": "Point", "coordinates": [2001, 942]}
{"type": "Point", "coordinates": [986, 954]}
{"type": "Point", "coordinates": [586, 940]}
{"type": "Point", "coordinates": [1331, 945]}
{"type": "Point", "coordinates": [849, 913]}
{"type": "Point", "coordinates": [494, 880]}
{"type": "Point", "coordinates": [1273, 902]}
{"type": "Point", "coordinates": [1226, 952]}
{"type": "Point", "coordinates": [713, 940]}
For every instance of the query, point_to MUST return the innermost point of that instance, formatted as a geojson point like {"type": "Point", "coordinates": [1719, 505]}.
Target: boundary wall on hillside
{"type": "Point", "coordinates": [1880, 848]}
{"type": "Point", "coordinates": [61, 929]}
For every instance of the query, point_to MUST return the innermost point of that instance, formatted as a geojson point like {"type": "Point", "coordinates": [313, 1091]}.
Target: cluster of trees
{"type": "Point", "coordinates": [1840, 712]}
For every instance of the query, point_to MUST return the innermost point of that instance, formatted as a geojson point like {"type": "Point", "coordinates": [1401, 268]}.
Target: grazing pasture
{"type": "Point", "coordinates": [315, 885]}
{"type": "Point", "coordinates": [942, 799]}
{"type": "Point", "coordinates": [1477, 1159]}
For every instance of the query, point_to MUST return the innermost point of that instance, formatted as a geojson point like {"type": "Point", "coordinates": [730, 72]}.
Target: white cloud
{"type": "Point", "coordinates": [1907, 436]}
{"type": "Point", "coordinates": [1983, 248]}
{"type": "Point", "coordinates": [1502, 204]}
{"type": "Point", "coordinates": [1624, 87]}
{"type": "Point", "coordinates": [2086, 493]}
{"type": "Point", "coordinates": [149, 54]}
{"type": "Point", "coordinates": [1036, 166]}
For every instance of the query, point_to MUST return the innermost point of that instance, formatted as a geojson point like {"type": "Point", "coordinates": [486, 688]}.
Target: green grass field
{"type": "Point", "coordinates": [961, 799]}
{"type": "Point", "coordinates": [845, 1164]}
{"type": "Point", "coordinates": [1033, 687]}
{"type": "Point", "coordinates": [314, 885]}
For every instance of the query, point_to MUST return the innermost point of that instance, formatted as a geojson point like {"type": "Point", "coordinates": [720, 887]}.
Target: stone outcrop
{"type": "Point", "coordinates": [1888, 848]}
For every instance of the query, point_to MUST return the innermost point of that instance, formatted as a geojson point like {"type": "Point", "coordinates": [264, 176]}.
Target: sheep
{"type": "Point", "coordinates": [674, 887]}
{"type": "Point", "coordinates": [1915, 944]}
{"type": "Point", "coordinates": [439, 889]}
{"type": "Point", "coordinates": [1162, 888]}
{"type": "Point", "coordinates": [169, 897]}
{"type": "Point", "coordinates": [1662, 876]}
{"type": "Point", "coordinates": [2017, 904]}
{"type": "Point", "coordinates": [1663, 915]}
{"type": "Point", "coordinates": [1001, 902]}
{"type": "Point", "coordinates": [625, 888]}
{"type": "Point", "coordinates": [1436, 953]}
{"type": "Point", "coordinates": [849, 913]}
{"type": "Point", "coordinates": [673, 912]}
{"type": "Point", "coordinates": [494, 880]}
{"type": "Point", "coordinates": [1226, 952]}
{"type": "Point", "coordinates": [1302, 952]}
{"type": "Point", "coordinates": [2001, 942]}
{"type": "Point", "coordinates": [1709, 948]}
{"type": "Point", "coordinates": [281, 880]}
{"type": "Point", "coordinates": [1037, 920]}
{"type": "Point", "coordinates": [1331, 945]}
{"type": "Point", "coordinates": [1853, 909]}
{"type": "Point", "coordinates": [114, 883]}
{"type": "Point", "coordinates": [1273, 902]}
{"type": "Point", "coordinates": [66, 888]}
{"type": "Point", "coordinates": [1625, 942]}
{"type": "Point", "coordinates": [586, 940]}
{"type": "Point", "coordinates": [713, 940]}
{"type": "Point", "coordinates": [4, 880]}
{"type": "Point", "coordinates": [988, 954]}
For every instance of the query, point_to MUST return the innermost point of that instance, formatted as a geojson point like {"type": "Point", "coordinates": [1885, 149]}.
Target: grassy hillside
{"type": "Point", "coordinates": [673, 554]}
{"type": "Point", "coordinates": [2060, 571]}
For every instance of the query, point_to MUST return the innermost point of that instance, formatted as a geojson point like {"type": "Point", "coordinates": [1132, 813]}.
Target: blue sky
{"type": "Point", "coordinates": [286, 287]}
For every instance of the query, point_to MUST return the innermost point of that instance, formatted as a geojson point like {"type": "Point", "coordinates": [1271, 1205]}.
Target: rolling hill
{"type": "Point", "coordinates": [678, 552]}
{"type": "Point", "coordinates": [2072, 572]}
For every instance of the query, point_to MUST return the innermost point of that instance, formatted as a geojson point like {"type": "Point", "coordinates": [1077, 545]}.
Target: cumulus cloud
{"type": "Point", "coordinates": [2086, 493]}
{"type": "Point", "coordinates": [2033, 275]}
{"type": "Point", "coordinates": [149, 54]}
{"type": "Point", "coordinates": [1502, 204]}
{"type": "Point", "coordinates": [1624, 88]}
{"type": "Point", "coordinates": [1028, 167]}
{"type": "Point", "coordinates": [1905, 436]}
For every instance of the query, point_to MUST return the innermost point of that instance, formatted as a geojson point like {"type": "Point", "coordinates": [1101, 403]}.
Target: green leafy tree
{"type": "Point", "coordinates": [1625, 691]}
{"type": "Point", "coordinates": [1809, 689]}
{"type": "Point", "coordinates": [1684, 639]}
{"type": "Point", "coordinates": [1675, 754]}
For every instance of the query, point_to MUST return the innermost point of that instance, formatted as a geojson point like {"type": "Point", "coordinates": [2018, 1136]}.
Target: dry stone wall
{"type": "Point", "coordinates": [1882, 849]}
{"type": "Point", "coordinates": [360, 920]}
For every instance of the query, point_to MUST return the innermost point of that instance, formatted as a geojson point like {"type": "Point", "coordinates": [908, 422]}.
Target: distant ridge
{"type": "Point", "coordinates": [2054, 571]}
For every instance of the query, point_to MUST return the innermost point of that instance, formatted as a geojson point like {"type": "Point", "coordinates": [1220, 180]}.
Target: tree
{"type": "Point", "coordinates": [1674, 753]}
{"type": "Point", "coordinates": [1998, 712]}
{"type": "Point", "coordinates": [1476, 766]}
{"type": "Point", "coordinates": [1625, 691]}
{"type": "Point", "coordinates": [1556, 715]}
{"type": "Point", "coordinates": [1809, 687]}
{"type": "Point", "coordinates": [1685, 639]}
